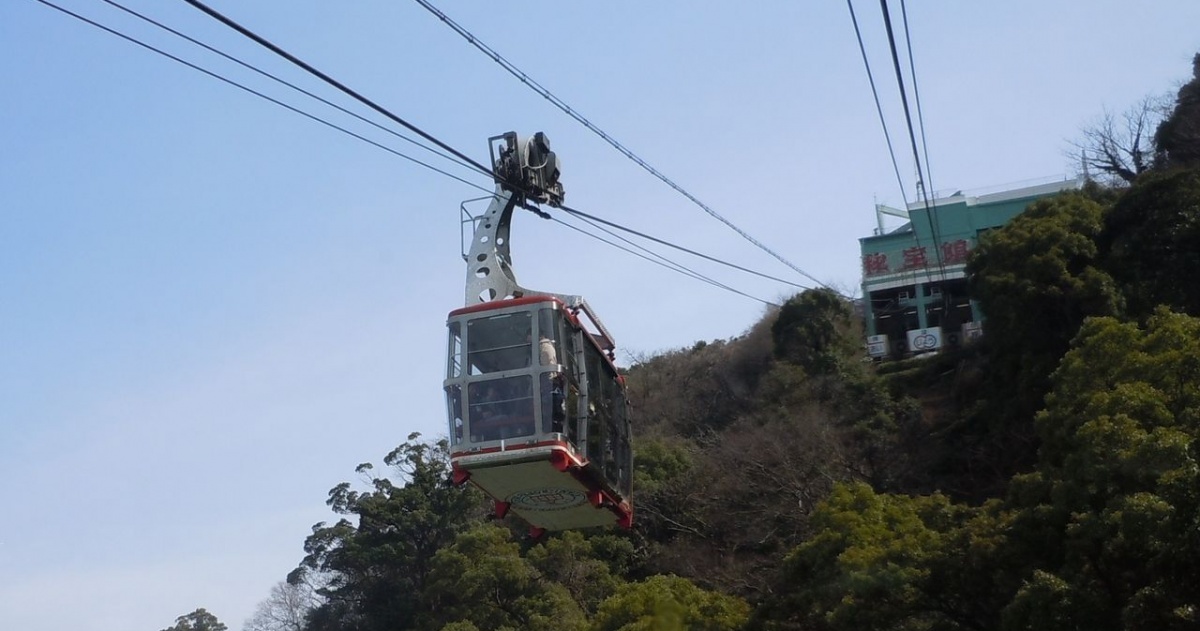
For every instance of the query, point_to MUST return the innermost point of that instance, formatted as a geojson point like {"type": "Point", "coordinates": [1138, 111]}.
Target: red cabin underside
{"type": "Point", "coordinates": [545, 484]}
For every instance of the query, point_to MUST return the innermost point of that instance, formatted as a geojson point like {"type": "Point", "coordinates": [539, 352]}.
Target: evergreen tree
{"type": "Point", "coordinates": [1152, 238]}
{"type": "Point", "coordinates": [198, 620]}
{"type": "Point", "coordinates": [376, 568]}
{"type": "Point", "coordinates": [1178, 136]}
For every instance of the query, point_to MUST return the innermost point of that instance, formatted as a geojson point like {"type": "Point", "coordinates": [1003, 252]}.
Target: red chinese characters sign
{"type": "Point", "coordinates": [915, 257]}
{"type": "Point", "coordinates": [875, 264]}
{"type": "Point", "coordinates": [954, 252]}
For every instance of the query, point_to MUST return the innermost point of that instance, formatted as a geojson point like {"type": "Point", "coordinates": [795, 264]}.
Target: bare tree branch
{"type": "Point", "coordinates": [1122, 147]}
{"type": "Point", "coordinates": [285, 609]}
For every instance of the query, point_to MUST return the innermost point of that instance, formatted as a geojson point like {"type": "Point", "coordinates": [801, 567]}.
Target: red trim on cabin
{"type": "Point", "coordinates": [605, 355]}
{"type": "Point", "coordinates": [507, 448]}
{"type": "Point", "coordinates": [560, 460]}
{"type": "Point", "coordinates": [502, 509]}
{"type": "Point", "coordinates": [459, 476]}
{"type": "Point", "coordinates": [511, 302]}
{"type": "Point", "coordinates": [624, 515]}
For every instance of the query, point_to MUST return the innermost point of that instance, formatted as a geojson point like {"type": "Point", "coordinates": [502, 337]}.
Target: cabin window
{"type": "Point", "coordinates": [595, 416]}
{"type": "Point", "coordinates": [624, 484]}
{"type": "Point", "coordinates": [571, 425]}
{"type": "Point", "coordinates": [614, 418]}
{"type": "Point", "coordinates": [454, 353]}
{"type": "Point", "coordinates": [569, 338]}
{"type": "Point", "coordinates": [499, 342]}
{"type": "Point", "coordinates": [455, 413]}
{"type": "Point", "coordinates": [500, 408]}
{"type": "Point", "coordinates": [625, 451]}
{"type": "Point", "coordinates": [554, 402]}
{"type": "Point", "coordinates": [569, 345]}
{"type": "Point", "coordinates": [548, 344]}
{"type": "Point", "coordinates": [551, 381]}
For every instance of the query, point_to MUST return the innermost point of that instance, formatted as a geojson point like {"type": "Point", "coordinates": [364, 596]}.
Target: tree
{"type": "Point", "coordinates": [657, 461]}
{"type": "Point", "coordinates": [1152, 242]}
{"type": "Point", "coordinates": [720, 506]}
{"type": "Point", "coordinates": [818, 333]}
{"type": "Point", "coordinates": [1036, 279]}
{"type": "Point", "coordinates": [881, 561]}
{"type": "Point", "coordinates": [700, 389]}
{"type": "Point", "coordinates": [198, 620]}
{"type": "Point", "coordinates": [1153, 135]}
{"type": "Point", "coordinates": [375, 569]}
{"type": "Point", "coordinates": [589, 568]}
{"type": "Point", "coordinates": [746, 500]}
{"type": "Point", "coordinates": [482, 579]}
{"type": "Point", "coordinates": [286, 609]}
{"type": "Point", "coordinates": [1100, 536]}
{"type": "Point", "coordinates": [669, 603]}
{"type": "Point", "coordinates": [1123, 146]}
{"type": "Point", "coordinates": [1117, 491]}
{"type": "Point", "coordinates": [1178, 136]}
{"type": "Point", "coordinates": [816, 330]}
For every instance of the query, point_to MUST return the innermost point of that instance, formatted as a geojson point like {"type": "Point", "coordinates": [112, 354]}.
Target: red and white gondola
{"type": "Point", "coordinates": [538, 415]}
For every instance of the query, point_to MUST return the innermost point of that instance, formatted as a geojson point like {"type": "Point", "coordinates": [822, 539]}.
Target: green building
{"type": "Point", "coordinates": [914, 276]}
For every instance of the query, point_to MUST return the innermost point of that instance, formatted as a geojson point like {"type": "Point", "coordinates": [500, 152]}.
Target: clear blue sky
{"type": "Point", "coordinates": [212, 309]}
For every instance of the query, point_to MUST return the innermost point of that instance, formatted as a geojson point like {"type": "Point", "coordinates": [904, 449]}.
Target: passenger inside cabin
{"type": "Point", "coordinates": [546, 351]}
{"type": "Point", "coordinates": [551, 385]}
{"type": "Point", "coordinates": [501, 410]}
{"type": "Point", "coordinates": [485, 414]}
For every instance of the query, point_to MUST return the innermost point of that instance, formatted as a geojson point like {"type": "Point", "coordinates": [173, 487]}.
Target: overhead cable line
{"type": "Point", "coordinates": [257, 93]}
{"type": "Point", "coordinates": [277, 79]}
{"type": "Point", "coordinates": [927, 186]}
{"type": "Point", "coordinates": [668, 263]}
{"type": "Point", "coordinates": [912, 71]}
{"type": "Point", "coordinates": [295, 60]}
{"type": "Point", "coordinates": [658, 258]}
{"type": "Point", "coordinates": [706, 257]}
{"type": "Point", "coordinates": [562, 105]}
{"type": "Point", "coordinates": [887, 21]}
{"type": "Point", "coordinates": [878, 108]}
{"type": "Point", "coordinates": [335, 83]}
{"type": "Point", "coordinates": [265, 43]}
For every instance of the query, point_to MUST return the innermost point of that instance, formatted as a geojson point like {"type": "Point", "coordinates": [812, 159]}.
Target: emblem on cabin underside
{"type": "Point", "coordinates": [548, 499]}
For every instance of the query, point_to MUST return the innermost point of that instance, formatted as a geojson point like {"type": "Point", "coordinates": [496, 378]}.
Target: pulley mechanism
{"type": "Point", "coordinates": [526, 168]}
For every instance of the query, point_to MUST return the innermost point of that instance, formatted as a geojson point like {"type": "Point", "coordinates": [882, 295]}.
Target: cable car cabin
{"type": "Point", "coordinates": [538, 414]}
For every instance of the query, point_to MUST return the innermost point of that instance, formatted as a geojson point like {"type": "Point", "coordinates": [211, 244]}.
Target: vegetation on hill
{"type": "Point", "coordinates": [1048, 478]}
